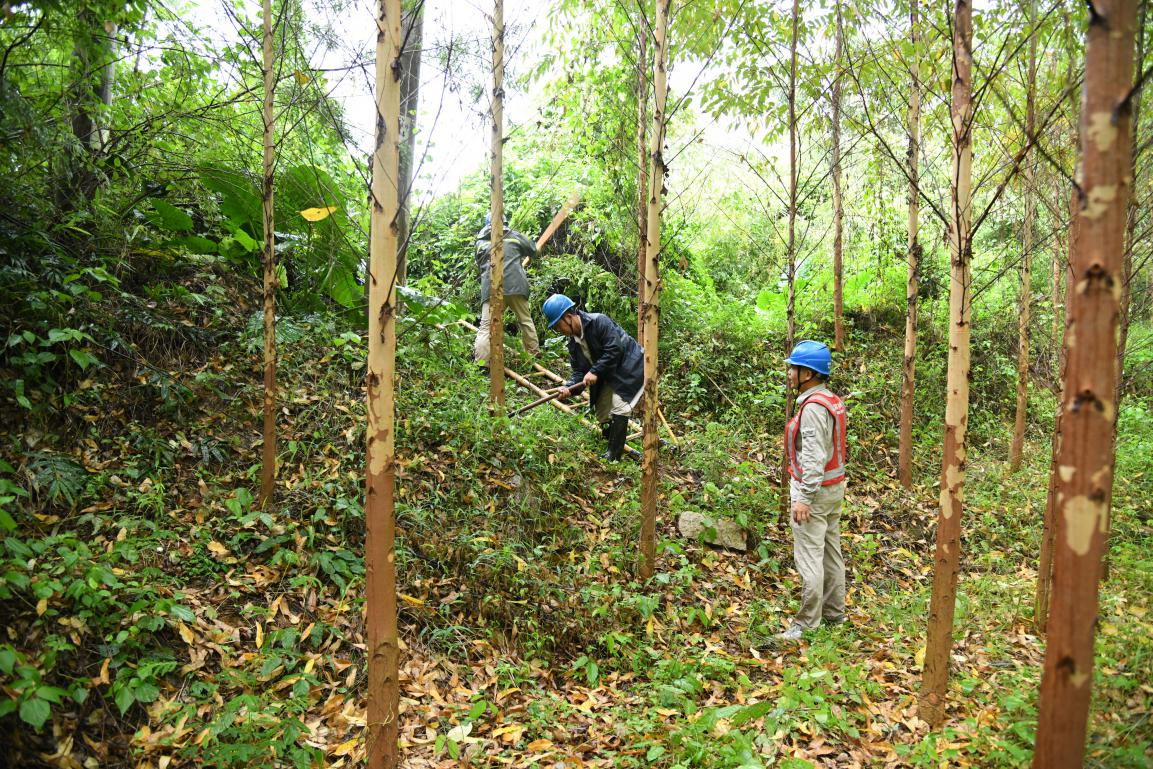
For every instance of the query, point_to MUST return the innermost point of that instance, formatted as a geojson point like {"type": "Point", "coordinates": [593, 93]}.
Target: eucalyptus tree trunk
{"type": "Point", "coordinates": [1017, 446]}
{"type": "Point", "coordinates": [935, 678]}
{"type": "Point", "coordinates": [383, 650]}
{"type": "Point", "coordinates": [1131, 214]}
{"type": "Point", "coordinates": [413, 27]}
{"type": "Point", "coordinates": [1085, 479]}
{"type": "Point", "coordinates": [651, 299]}
{"type": "Point", "coordinates": [496, 264]}
{"type": "Point", "coordinates": [643, 165]}
{"type": "Point", "coordinates": [268, 454]}
{"type": "Point", "coordinates": [838, 202]}
{"type": "Point", "coordinates": [791, 246]}
{"type": "Point", "coordinates": [1049, 525]}
{"type": "Point", "coordinates": [909, 365]}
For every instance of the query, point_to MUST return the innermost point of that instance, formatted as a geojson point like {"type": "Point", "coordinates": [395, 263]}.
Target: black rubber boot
{"type": "Point", "coordinates": [605, 427]}
{"type": "Point", "coordinates": [618, 431]}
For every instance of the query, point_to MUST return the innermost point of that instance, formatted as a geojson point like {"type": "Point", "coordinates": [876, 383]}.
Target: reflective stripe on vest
{"type": "Point", "coordinates": [835, 469]}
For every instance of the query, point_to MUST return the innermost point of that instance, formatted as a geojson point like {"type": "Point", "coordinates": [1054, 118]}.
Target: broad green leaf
{"type": "Point", "coordinates": [194, 244]}
{"type": "Point", "coordinates": [124, 699]}
{"type": "Point", "coordinates": [35, 711]}
{"type": "Point", "coordinates": [168, 217]}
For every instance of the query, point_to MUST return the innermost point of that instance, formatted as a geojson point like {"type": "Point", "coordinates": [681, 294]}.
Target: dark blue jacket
{"type": "Point", "coordinates": [618, 360]}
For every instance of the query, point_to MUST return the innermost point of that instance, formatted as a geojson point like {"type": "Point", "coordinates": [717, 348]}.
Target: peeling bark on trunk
{"type": "Point", "coordinates": [935, 678]}
{"type": "Point", "coordinates": [383, 650]}
{"type": "Point", "coordinates": [651, 287]}
{"type": "Point", "coordinates": [909, 365]}
{"type": "Point", "coordinates": [1017, 446]}
{"type": "Point", "coordinates": [1049, 525]}
{"type": "Point", "coordinates": [838, 202]}
{"type": "Point", "coordinates": [1085, 467]}
{"type": "Point", "coordinates": [496, 265]}
{"type": "Point", "coordinates": [791, 329]}
{"type": "Point", "coordinates": [413, 27]}
{"type": "Point", "coordinates": [268, 453]}
{"type": "Point", "coordinates": [643, 178]}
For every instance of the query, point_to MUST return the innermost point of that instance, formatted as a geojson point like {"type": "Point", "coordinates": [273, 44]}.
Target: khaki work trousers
{"type": "Point", "coordinates": [610, 405]}
{"type": "Point", "coordinates": [519, 306]}
{"type": "Point", "coordinates": [817, 553]}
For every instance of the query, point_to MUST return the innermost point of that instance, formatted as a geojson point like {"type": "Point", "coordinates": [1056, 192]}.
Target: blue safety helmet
{"type": "Point", "coordinates": [555, 307]}
{"type": "Point", "coordinates": [812, 355]}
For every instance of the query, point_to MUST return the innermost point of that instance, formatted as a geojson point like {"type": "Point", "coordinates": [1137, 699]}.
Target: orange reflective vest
{"type": "Point", "coordinates": [835, 469]}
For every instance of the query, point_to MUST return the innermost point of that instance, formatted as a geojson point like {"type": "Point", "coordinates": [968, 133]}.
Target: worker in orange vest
{"type": "Point", "coordinates": [815, 448]}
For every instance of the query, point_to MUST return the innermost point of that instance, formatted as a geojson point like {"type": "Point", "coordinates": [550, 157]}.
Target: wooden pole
{"type": "Point", "coordinates": [943, 603]}
{"type": "Point", "coordinates": [652, 297]}
{"type": "Point", "coordinates": [383, 650]}
{"type": "Point", "coordinates": [1085, 477]}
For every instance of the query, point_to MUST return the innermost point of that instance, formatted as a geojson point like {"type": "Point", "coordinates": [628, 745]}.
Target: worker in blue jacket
{"type": "Point", "coordinates": [606, 360]}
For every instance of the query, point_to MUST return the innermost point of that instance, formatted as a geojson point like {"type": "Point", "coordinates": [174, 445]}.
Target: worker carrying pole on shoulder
{"type": "Point", "coordinates": [516, 248]}
{"type": "Point", "coordinates": [606, 360]}
{"type": "Point", "coordinates": [815, 449]}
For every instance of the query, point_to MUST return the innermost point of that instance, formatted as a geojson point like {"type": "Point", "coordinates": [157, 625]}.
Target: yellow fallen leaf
{"type": "Point", "coordinates": [537, 746]}
{"type": "Point", "coordinates": [41, 607]}
{"type": "Point", "coordinates": [186, 633]}
{"type": "Point", "coordinates": [920, 658]}
{"type": "Point", "coordinates": [104, 671]}
{"type": "Point", "coordinates": [411, 600]}
{"type": "Point", "coordinates": [317, 214]}
{"type": "Point", "coordinates": [217, 548]}
{"type": "Point", "coordinates": [308, 666]}
{"type": "Point", "coordinates": [259, 635]}
{"type": "Point", "coordinates": [344, 748]}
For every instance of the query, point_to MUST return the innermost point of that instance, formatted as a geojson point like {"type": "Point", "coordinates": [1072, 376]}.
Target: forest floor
{"type": "Point", "coordinates": [171, 623]}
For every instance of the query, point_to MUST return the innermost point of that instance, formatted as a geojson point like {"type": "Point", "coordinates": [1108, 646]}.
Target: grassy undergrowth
{"type": "Point", "coordinates": [156, 618]}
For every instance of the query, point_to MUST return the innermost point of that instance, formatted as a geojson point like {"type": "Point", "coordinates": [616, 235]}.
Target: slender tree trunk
{"type": "Point", "coordinates": [1131, 215]}
{"type": "Point", "coordinates": [909, 365]}
{"type": "Point", "coordinates": [643, 164]}
{"type": "Point", "coordinates": [791, 246]}
{"type": "Point", "coordinates": [935, 679]}
{"type": "Point", "coordinates": [268, 455]}
{"type": "Point", "coordinates": [496, 292]}
{"type": "Point", "coordinates": [838, 202]}
{"type": "Point", "coordinates": [1085, 479]}
{"type": "Point", "coordinates": [1017, 446]}
{"type": "Point", "coordinates": [383, 650]}
{"type": "Point", "coordinates": [652, 296]}
{"type": "Point", "coordinates": [409, 98]}
{"type": "Point", "coordinates": [1049, 525]}
{"type": "Point", "coordinates": [90, 94]}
